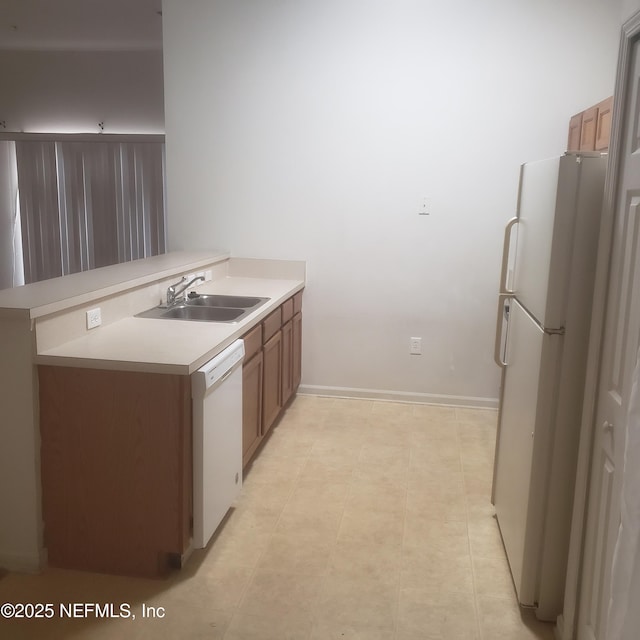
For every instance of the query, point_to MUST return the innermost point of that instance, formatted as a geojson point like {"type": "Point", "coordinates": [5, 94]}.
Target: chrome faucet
{"type": "Point", "coordinates": [175, 289]}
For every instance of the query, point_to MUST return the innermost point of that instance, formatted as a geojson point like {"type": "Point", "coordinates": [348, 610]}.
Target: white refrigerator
{"type": "Point", "coordinates": [546, 288]}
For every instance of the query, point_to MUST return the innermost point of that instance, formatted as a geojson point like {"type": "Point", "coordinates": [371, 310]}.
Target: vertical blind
{"type": "Point", "coordinates": [11, 271]}
{"type": "Point", "coordinates": [85, 205]}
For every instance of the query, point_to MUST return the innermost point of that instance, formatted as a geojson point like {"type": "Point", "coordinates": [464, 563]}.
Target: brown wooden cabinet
{"type": "Point", "coordinates": [296, 349]}
{"type": "Point", "coordinates": [296, 355]}
{"type": "Point", "coordinates": [116, 461]}
{"type": "Point", "coordinates": [272, 382]}
{"type": "Point", "coordinates": [603, 125]}
{"type": "Point", "coordinates": [280, 371]}
{"type": "Point", "coordinates": [286, 374]}
{"type": "Point", "coordinates": [287, 362]}
{"type": "Point", "coordinates": [252, 381]}
{"type": "Point", "coordinates": [252, 377]}
{"type": "Point", "coordinates": [575, 132]}
{"type": "Point", "coordinates": [590, 129]}
{"type": "Point", "coordinates": [116, 451]}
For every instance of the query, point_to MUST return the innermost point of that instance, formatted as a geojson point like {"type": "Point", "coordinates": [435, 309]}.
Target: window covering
{"type": "Point", "coordinates": [86, 205]}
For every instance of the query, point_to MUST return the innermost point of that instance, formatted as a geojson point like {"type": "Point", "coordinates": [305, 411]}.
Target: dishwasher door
{"type": "Point", "coordinates": [216, 392]}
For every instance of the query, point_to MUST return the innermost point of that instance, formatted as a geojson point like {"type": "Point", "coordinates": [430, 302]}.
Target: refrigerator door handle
{"type": "Point", "coordinates": [506, 250]}
{"type": "Point", "coordinates": [497, 353]}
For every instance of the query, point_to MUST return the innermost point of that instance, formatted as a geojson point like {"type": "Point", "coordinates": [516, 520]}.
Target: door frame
{"type": "Point", "coordinates": [566, 629]}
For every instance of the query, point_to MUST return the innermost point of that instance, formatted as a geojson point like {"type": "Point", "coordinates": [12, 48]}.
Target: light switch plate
{"type": "Point", "coordinates": [425, 206]}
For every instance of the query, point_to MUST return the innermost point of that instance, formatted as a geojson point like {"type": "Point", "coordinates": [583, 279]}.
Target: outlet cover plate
{"type": "Point", "coordinates": [94, 318]}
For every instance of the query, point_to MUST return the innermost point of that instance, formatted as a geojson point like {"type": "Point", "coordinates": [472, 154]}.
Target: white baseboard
{"type": "Point", "coordinates": [399, 396]}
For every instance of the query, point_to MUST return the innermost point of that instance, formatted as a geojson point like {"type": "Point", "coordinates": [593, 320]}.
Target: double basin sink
{"type": "Point", "coordinates": [206, 308]}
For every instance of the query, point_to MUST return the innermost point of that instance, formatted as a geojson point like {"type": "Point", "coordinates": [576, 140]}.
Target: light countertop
{"type": "Point", "coordinates": [169, 346]}
{"type": "Point", "coordinates": [50, 296]}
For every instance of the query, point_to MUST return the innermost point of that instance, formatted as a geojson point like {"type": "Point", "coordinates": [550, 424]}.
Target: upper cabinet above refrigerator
{"type": "Point", "coordinates": [590, 129]}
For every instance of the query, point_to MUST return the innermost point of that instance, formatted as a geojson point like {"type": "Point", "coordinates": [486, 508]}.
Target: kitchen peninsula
{"type": "Point", "coordinates": [45, 341]}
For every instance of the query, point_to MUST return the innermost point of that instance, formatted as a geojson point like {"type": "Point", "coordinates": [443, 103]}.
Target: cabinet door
{"type": "Point", "coordinates": [603, 124]}
{"type": "Point", "coordinates": [296, 356]}
{"type": "Point", "coordinates": [575, 129]}
{"type": "Point", "coordinates": [117, 475]}
{"type": "Point", "coordinates": [588, 129]}
{"type": "Point", "coordinates": [272, 384]}
{"type": "Point", "coordinates": [252, 375]}
{"type": "Point", "coordinates": [287, 362]}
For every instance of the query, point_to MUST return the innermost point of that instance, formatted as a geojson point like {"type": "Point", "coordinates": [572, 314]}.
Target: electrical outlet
{"type": "Point", "coordinates": [94, 318]}
{"type": "Point", "coordinates": [415, 346]}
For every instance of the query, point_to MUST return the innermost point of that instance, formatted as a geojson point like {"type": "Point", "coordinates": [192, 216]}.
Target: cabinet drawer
{"type": "Point", "coordinates": [287, 310]}
{"type": "Point", "coordinates": [297, 302]}
{"type": "Point", "coordinates": [252, 342]}
{"type": "Point", "coordinates": [271, 324]}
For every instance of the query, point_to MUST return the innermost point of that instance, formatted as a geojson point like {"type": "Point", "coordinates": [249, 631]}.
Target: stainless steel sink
{"type": "Point", "coordinates": [207, 308]}
{"type": "Point", "coordinates": [205, 314]}
{"type": "Point", "coordinates": [216, 300]}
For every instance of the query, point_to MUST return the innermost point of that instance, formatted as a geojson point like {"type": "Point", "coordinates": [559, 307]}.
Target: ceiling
{"type": "Point", "coordinates": [79, 25]}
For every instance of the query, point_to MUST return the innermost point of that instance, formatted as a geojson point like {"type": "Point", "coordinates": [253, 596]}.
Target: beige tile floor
{"type": "Point", "coordinates": [359, 520]}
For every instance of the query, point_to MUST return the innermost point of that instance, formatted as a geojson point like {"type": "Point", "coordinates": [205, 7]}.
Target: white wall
{"type": "Point", "coordinates": [21, 518]}
{"type": "Point", "coordinates": [70, 92]}
{"type": "Point", "coordinates": [629, 7]}
{"type": "Point", "coordinates": [312, 130]}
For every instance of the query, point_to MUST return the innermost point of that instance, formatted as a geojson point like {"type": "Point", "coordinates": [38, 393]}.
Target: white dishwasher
{"type": "Point", "coordinates": [216, 392]}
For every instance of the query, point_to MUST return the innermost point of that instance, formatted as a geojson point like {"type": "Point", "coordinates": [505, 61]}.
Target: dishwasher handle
{"type": "Point", "coordinates": [218, 368]}
{"type": "Point", "coordinates": [226, 375]}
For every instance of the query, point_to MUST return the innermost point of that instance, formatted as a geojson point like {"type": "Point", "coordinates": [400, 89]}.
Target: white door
{"type": "Point", "coordinates": [621, 335]}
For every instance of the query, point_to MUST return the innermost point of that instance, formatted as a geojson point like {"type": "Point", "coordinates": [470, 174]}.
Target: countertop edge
{"type": "Point", "coordinates": [112, 365]}
{"type": "Point", "coordinates": [116, 288]}
{"type": "Point", "coordinates": [184, 368]}
{"type": "Point", "coordinates": [37, 299]}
